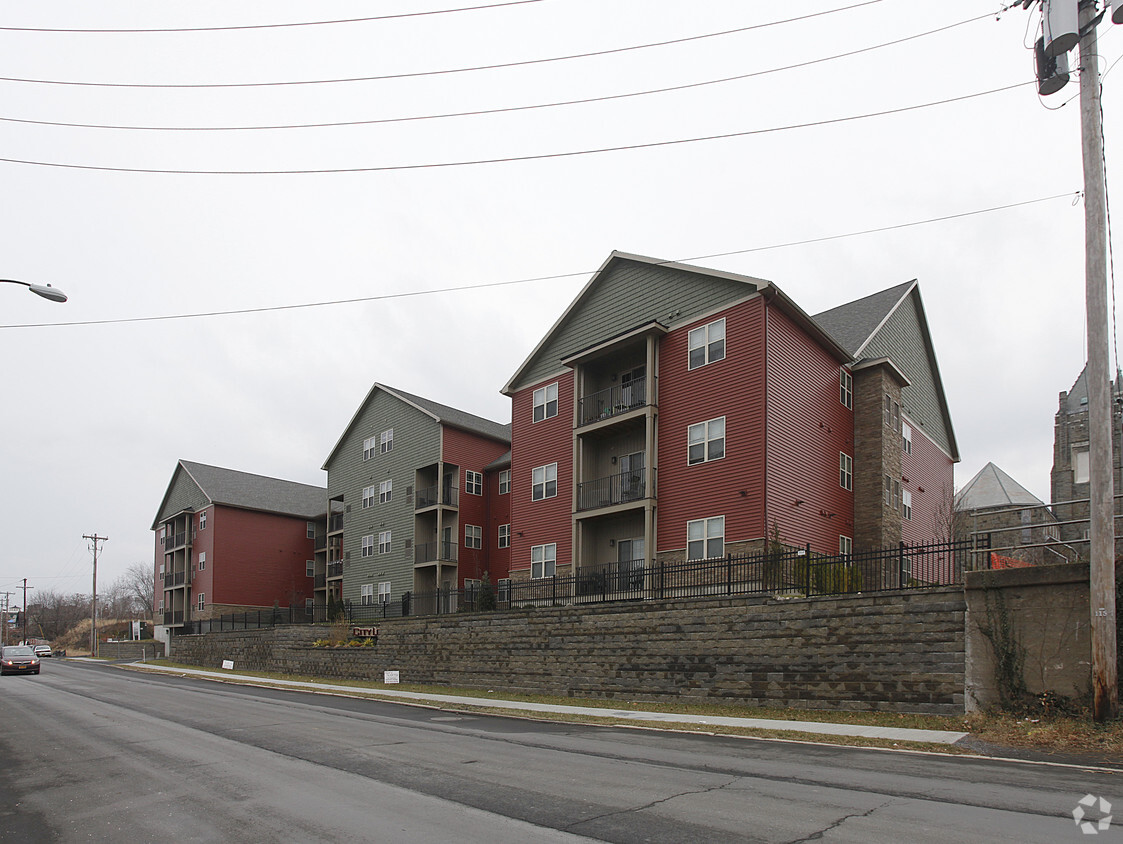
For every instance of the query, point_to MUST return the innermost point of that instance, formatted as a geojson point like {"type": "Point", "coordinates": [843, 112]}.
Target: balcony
{"type": "Point", "coordinates": [320, 542]}
{"type": "Point", "coordinates": [612, 402]}
{"type": "Point", "coordinates": [621, 488]}
{"type": "Point", "coordinates": [173, 617]}
{"type": "Point", "coordinates": [431, 552]}
{"type": "Point", "coordinates": [433, 495]}
{"type": "Point", "coordinates": [177, 578]}
{"type": "Point", "coordinates": [320, 581]}
{"type": "Point", "coordinates": [335, 570]}
{"type": "Point", "coordinates": [177, 540]}
{"type": "Point", "coordinates": [335, 523]}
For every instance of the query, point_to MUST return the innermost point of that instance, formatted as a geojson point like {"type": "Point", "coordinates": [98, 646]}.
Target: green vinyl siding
{"type": "Point", "coordinates": [184, 494]}
{"type": "Point", "coordinates": [628, 294]}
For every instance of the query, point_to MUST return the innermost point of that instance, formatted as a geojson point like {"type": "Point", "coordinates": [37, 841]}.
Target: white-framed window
{"type": "Point", "coordinates": [706, 344]}
{"type": "Point", "coordinates": [544, 560]}
{"type": "Point", "coordinates": [310, 568]}
{"type": "Point", "coordinates": [366, 594]}
{"type": "Point", "coordinates": [846, 388]}
{"type": "Point", "coordinates": [203, 520]}
{"type": "Point", "coordinates": [368, 545]}
{"type": "Point", "coordinates": [504, 536]}
{"type": "Point", "coordinates": [386, 441]}
{"type": "Point", "coordinates": [202, 561]}
{"type": "Point", "coordinates": [471, 586]}
{"type": "Point", "coordinates": [310, 530]}
{"type": "Point", "coordinates": [845, 470]}
{"type": "Point", "coordinates": [384, 592]}
{"type": "Point", "coordinates": [1080, 469]}
{"type": "Point", "coordinates": [503, 589]}
{"type": "Point", "coordinates": [906, 505]}
{"type": "Point", "coordinates": [544, 482]}
{"type": "Point", "coordinates": [705, 441]}
{"type": "Point", "coordinates": [369, 445]}
{"type": "Point", "coordinates": [895, 503]}
{"type": "Point", "coordinates": [505, 482]}
{"type": "Point", "coordinates": [473, 482]}
{"type": "Point", "coordinates": [385, 491]}
{"type": "Point", "coordinates": [906, 438]}
{"type": "Point", "coordinates": [845, 545]}
{"type": "Point", "coordinates": [309, 604]}
{"type": "Point", "coordinates": [368, 497]}
{"type": "Point", "coordinates": [473, 536]}
{"type": "Point", "coordinates": [892, 413]}
{"type": "Point", "coordinates": [384, 542]}
{"type": "Point", "coordinates": [705, 538]}
{"type": "Point", "coordinates": [202, 601]}
{"type": "Point", "coordinates": [545, 402]}
{"type": "Point", "coordinates": [888, 484]}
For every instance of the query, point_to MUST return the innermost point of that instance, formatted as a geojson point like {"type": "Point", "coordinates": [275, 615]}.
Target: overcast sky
{"type": "Point", "coordinates": [95, 416]}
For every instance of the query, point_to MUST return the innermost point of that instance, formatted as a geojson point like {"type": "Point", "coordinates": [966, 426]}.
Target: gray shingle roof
{"type": "Point", "coordinates": [992, 487]}
{"type": "Point", "coordinates": [854, 323]}
{"type": "Point", "coordinates": [457, 418]}
{"type": "Point", "coordinates": [257, 492]}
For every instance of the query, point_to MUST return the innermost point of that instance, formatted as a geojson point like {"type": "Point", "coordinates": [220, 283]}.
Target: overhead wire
{"type": "Point", "coordinates": [507, 109]}
{"type": "Point", "coordinates": [556, 277]}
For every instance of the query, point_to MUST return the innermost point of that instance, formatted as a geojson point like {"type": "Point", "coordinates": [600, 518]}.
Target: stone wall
{"type": "Point", "coordinates": [144, 649]}
{"type": "Point", "coordinates": [901, 652]}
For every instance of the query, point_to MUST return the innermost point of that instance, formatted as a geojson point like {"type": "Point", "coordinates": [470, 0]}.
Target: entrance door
{"type": "Point", "coordinates": [629, 564]}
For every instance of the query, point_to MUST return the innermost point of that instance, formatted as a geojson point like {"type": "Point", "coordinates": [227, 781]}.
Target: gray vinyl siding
{"type": "Point", "coordinates": [901, 340]}
{"type": "Point", "coordinates": [417, 442]}
{"type": "Point", "coordinates": [184, 494]}
{"type": "Point", "coordinates": [627, 295]}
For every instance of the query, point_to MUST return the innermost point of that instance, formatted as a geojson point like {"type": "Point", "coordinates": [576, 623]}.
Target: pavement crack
{"type": "Point", "coordinates": [817, 836]}
{"type": "Point", "coordinates": [633, 809]}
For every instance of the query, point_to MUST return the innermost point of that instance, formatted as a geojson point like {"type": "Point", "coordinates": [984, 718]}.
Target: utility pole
{"type": "Point", "coordinates": [94, 540]}
{"type": "Point", "coordinates": [25, 588]}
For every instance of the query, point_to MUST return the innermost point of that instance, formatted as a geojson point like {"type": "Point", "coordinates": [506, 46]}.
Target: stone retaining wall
{"type": "Point", "coordinates": [900, 652]}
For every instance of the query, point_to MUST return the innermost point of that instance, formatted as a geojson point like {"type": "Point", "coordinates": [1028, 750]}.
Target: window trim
{"type": "Point", "coordinates": [545, 391]}
{"type": "Point", "coordinates": [504, 481]}
{"type": "Point", "coordinates": [706, 344]}
{"type": "Point", "coordinates": [368, 497]}
{"type": "Point", "coordinates": [310, 568]}
{"type": "Point", "coordinates": [385, 590]}
{"type": "Point", "coordinates": [368, 448]}
{"type": "Point", "coordinates": [201, 604]}
{"type": "Point", "coordinates": [845, 545]}
{"type": "Point", "coordinates": [845, 471]}
{"type": "Point", "coordinates": [366, 594]}
{"type": "Point", "coordinates": [706, 441]}
{"type": "Point", "coordinates": [707, 537]}
{"type": "Point", "coordinates": [386, 491]}
{"type": "Point", "coordinates": [202, 520]}
{"type": "Point", "coordinates": [473, 482]}
{"type": "Point", "coordinates": [906, 438]}
{"type": "Point", "coordinates": [202, 566]}
{"type": "Point", "coordinates": [473, 536]}
{"type": "Point", "coordinates": [386, 441]}
{"type": "Point", "coordinates": [367, 545]}
{"type": "Point", "coordinates": [548, 559]}
{"type": "Point", "coordinates": [384, 541]}
{"type": "Point", "coordinates": [846, 388]}
{"type": "Point", "coordinates": [504, 536]}
{"type": "Point", "coordinates": [906, 505]}
{"type": "Point", "coordinates": [545, 483]}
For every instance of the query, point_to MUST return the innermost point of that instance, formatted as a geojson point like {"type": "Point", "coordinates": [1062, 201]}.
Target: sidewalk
{"type": "Point", "coordinates": [862, 730]}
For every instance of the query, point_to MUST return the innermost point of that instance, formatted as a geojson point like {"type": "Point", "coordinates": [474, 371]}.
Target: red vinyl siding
{"type": "Point", "coordinates": [732, 486]}
{"type": "Point", "coordinates": [255, 559]}
{"type": "Point", "coordinates": [927, 474]}
{"type": "Point", "coordinates": [471, 452]}
{"type": "Point", "coordinates": [807, 428]}
{"type": "Point", "coordinates": [537, 444]}
{"type": "Point", "coordinates": [499, 513]}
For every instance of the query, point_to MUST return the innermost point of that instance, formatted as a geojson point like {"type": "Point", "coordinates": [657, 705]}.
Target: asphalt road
{"type": "Point", "coordinates": [95, 753]}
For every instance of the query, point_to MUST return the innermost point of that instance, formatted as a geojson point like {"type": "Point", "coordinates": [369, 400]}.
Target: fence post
{"type": "Point", "coordinates": [728, 575]}
{"type": "Point", "coordinates": [807, 577]}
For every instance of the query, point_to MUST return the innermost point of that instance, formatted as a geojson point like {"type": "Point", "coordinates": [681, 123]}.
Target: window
{"type": "Point", "coordinates": [504, 536]}
{"type": "Point", "coordinates": [906, 439]}
{"type": "Point", "coordinates": [705, 441]}
{"type": "Point", "coordinates": [544, 560]}
{"type": "Point", "coordinates": [384, 592]}
{"type": "Point", "coordinates": [896, 499]}
{"type": "Point", "coordinates": [310, 568]}
{"type": "Point", "coordinates": [1080, 470]}
{"type": "Point", "coordinates": [385, 491]}
{"type": "Point", "coordinates": [888, 489]}
{"type": "Point", "coordinates": [473, 536]}
{"type": "Point", "coordinates": [386, 441]}
{"type": "Point", "coordinates": [892, 413]}
{"type": "Point", "coordinates": [846, 388]}
{"type": "Point", "coordinates": [309, 604]}
{"type": "Point", "coordinates": [505, 482]}
{"type": "Point", "coordinates": [368, 448]}
{"type": "Point", "coordinates": [473, 483]}
{"type": "Point", "coordinates": [845, 471]}
{"type": "Point", "coordinates": [544, 482]}
{"type": "Point", "coordinates": [707, 344]}
{"type": "Point", "coordinates": [845, 545]}
{"type": "Point", "coordinates": [203, 520]}
{"type": "Point", "coordinates": [368, 545]}
{"type": "Point", "coordinates": [368, 497]}
{"type": "Point", "coordinates": [202, 560]}
{"type": "Point", "coordinates": [310, 529]}
{"type": "Point", "coordinates": [366, 594]}
{"type": "Point", "coordinates": [545, 402]}
{"type": "Point", "coordinates": [906, 505]}
{"type": "Point", "coordinates": [202, 601]}
{"type": "Point", "coordinates": [705, 538]}
{"type": "Point", "coordinates": [384, 542]}
{"type": "Point", "coordinates": [503, 589]}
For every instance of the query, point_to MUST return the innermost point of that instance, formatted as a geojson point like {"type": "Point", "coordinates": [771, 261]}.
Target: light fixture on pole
{"type": "Point", "coordinates": [44, 290]}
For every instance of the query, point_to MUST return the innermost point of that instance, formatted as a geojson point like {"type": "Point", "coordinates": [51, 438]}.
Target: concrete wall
{"type": "Point", "coordinates": [901, 652]}
{"type": "Point", "coordinates": [1048, 614]}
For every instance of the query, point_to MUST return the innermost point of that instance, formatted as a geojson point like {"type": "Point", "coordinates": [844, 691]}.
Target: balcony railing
{"type": "Point", "coordinates": [621, 488]}
{"type": "Point", "coordinates": [177, 578]}
{"type": "Point", "coordinates": [175, 540]}
{"type": "Point", "coordinates": [173, 617]}
{"type": "Point", "coordinates": [612, 402]}
{"type": "Point", "coordinates": [431, 552]}
{"type": "Point", "coordinates": [335, 569]}
{"type": "Point", "coordinates": [335, 523]}
{"type": "Point", "coordinates": [320, 542]}
{"type": "Point", "coordinates": [433, 495]}
{"type": "Point", "coordinates": [320, 581]}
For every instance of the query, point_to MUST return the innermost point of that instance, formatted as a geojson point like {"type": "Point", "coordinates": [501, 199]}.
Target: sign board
{"type": "Point", "coordinates": [228, 664]}
{"type": "Point", "coordinates": [391, 677]}
{"type": "Point", "coordinates": [364, 632]}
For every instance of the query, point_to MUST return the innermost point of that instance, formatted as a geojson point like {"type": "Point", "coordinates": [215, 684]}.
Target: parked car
{"type": "Point", "coordinates": [19, 659]}
{"type": "Point", "coordinates": [42, 651]}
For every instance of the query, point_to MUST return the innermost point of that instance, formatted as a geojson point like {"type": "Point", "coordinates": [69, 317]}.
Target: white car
{"type": "Point", "coordinates": [42, 650]}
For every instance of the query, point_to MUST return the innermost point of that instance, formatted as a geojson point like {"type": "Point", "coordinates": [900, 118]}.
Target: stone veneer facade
{"type": "Point", "coordinates": [877, 524]}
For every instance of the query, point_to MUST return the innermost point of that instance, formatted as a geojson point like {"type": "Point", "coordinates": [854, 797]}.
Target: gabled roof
{"type": "Point", "coordinates": [247, 491]}
{"type": "Point", "coordinates": [992, 487]}
{"type": "Point", "coordinates": [440, 412]}
{"type": "Point", "coordinates": [855, 323]}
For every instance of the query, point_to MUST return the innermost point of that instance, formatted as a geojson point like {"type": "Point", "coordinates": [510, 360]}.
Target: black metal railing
{"type": "Point", "coordinates": [431, 552]}
{"type": "Point", "coordinates": [320, 542]}
{"type": "Point", "coordinates": [612, 402]}
{"type": "Point", "coordinates": [431, 496]}
{"type": "Point", "coordinates": [177, 578]}
{"type": "Point", "coordinates": [335, 569]}
{"type": "Point", "coordinates": [335, 523]}
{"type": "Point", "coordinates": [320, 581]}
{"type": "Point", "coordinates": [620, 488]}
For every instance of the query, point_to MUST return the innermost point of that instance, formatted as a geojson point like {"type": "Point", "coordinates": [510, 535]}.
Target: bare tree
{"type": "Point", "coordinates": [136, 589]}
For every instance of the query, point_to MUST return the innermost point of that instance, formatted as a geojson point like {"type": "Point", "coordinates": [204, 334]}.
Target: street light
{"type": "Point", "coordinates": [47, 292]}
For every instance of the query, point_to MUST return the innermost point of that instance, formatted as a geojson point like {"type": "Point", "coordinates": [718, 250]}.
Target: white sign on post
{"type": "Point", "coordinates": [390, 677]}
{"type": "Point", "coordinates": [228, 664]}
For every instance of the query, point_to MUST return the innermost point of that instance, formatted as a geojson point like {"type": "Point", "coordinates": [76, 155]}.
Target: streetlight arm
{"type": "Point", "coordinates": [46, 291]}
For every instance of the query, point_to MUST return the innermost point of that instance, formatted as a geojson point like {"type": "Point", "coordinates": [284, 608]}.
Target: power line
{"type": "Point", "coordinates": [509, 283]}
{"type": "Point", "coordinates": [518, 158]}
{"type": "Point", "coordinates": [507, 109]}
{"type": "Point", "coordinates": [447, 71]}
{"type": "Point", "coordinates": [272, 25]}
